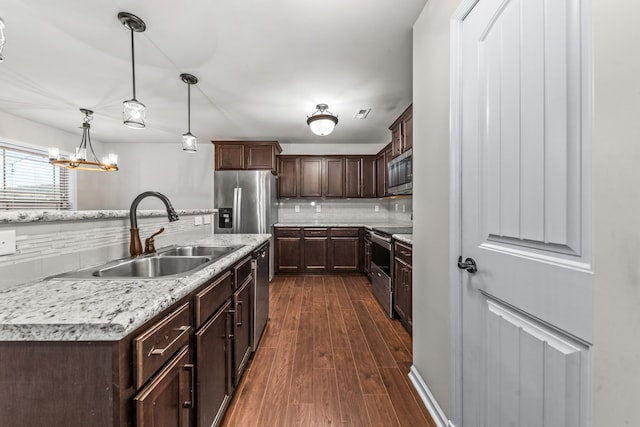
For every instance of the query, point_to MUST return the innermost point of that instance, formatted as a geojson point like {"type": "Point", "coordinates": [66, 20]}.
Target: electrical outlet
{"type": "Point", "coordinates": [7, 242]}
{"type": "Point", "coordinates": [396, 207]}
{"type": "Point", "coordinates": [403, 208]}
{"type": "Point", "coordinates": [318, 208]}
{"type": "Point", "coordinates": [296, 208]}
{"type": "Point", "coordinates": [376, 208]}
{"type": "Point", "coordinates": [197, 220]}
{"type": "Point", "coordinates": [207, 219]}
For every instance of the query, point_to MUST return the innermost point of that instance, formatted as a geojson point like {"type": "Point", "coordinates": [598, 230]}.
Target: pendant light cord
{"type": "Point", "coordinates": [133, 65]}
{"type": "Point", "coordinates": [189, 108]}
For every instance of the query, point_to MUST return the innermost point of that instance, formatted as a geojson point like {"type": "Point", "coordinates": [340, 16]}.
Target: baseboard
{"type": "Point", "coordinates": [430, 402]}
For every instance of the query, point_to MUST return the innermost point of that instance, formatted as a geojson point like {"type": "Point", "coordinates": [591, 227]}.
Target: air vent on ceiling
{"type": "Point", "coordinates": [362, 113]}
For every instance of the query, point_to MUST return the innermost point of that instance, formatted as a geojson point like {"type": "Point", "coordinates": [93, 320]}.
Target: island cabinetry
{"type": "Point", "coordinates": [402, 284]}
{"type": "Point", "coordinates": [246, 155]}
{"type": "Point", "coordinates": [243, 318]}
{"type": "Point", "coordinates": [288, 245]}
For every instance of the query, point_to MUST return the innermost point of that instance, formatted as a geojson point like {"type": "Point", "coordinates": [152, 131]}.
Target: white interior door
{"type": "Point", "coordinates": [526, 314]}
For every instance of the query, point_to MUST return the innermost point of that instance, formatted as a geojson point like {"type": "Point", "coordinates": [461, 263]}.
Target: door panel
{"type": "Point", "coordinates": [526, 313]}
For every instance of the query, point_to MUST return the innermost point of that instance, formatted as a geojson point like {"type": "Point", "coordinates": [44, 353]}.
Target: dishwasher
{"type": "Point", "coordinates": [260, 264]}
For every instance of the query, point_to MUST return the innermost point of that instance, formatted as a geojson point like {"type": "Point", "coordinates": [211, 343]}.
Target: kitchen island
{"type": "Point", "coordinates": [135, 352]}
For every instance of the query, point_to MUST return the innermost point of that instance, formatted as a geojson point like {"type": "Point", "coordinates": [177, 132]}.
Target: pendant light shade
{"type": "Point", "coordinates": [322, 122]}
{"type": "Point", "coordinates": [2, 39]}
{"type": "Point", "coordinates": [189, 141]}
{"type": "Point", "coordinates": [133, 110]}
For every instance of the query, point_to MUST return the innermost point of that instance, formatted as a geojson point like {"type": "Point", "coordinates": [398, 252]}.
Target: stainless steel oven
{"type": "Point", "coordinates": [382, 264]}
{"type": "Point", "coordinates": [400, 173]}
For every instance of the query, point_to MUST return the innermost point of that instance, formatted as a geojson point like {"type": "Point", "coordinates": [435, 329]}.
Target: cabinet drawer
{"type": "Point", "coordinates": [242, 271]}
{"type": "Point", "coordinates": [155, 347]}
{"type": "Point", "coordinates": [403, 252]}
{"type": "Point", "coordinates": [287, 232]}
{"type": "Point", "coordinates": [212, 297]}
{"type": "Point", "coordinates": [345, 232]}
{"type": "Point", "coordinates": [316, 232]}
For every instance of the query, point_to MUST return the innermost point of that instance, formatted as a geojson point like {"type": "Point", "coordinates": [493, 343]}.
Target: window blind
{"type": "Point", "coordinates": [28, 181]}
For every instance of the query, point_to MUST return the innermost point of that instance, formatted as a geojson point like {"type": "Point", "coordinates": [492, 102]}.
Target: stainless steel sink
{"type": "Point", "coordinates": [169, 262]}
{"type": "Point", "coordinates": [153, 267]}
{"type": "Point", "coordinates": [198, 250]}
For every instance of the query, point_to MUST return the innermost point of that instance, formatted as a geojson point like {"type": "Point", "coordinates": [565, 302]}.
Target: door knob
{"type": "Point", "coordinates": [469, 264]}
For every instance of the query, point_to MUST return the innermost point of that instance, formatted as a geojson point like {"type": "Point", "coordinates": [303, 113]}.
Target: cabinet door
{"type": "Point", "coordinates": [311, 177]}
{"type": "Point", "coordinates": [260, 157]}
{"type": "Point", "coordinates": [168, 399]}
{"type": "Point", "coordinates": [288, 254]}
{"type": "Point", "coordinates": [367, 258]}
{"type": "Point", "coordinates": [399, 288]}
{"type": "Point", "coordinates": [345, 254]}
{"type": "Point", "coordinates": [407, 130]}
{"type": "Point", "coordinates": [288, 176]}
{"type": "Point", "coordinates": [229, 156]}
{"type": "Point", "coordinates": [316, 254]}
{"type": "Point", "coordinates": [396, 139]}
{"type": "Point", "coordinates": [368, 177]}
{"type": "Point", "coordinates": [213, 359]}
{"type": "Point", "coordinates": [243, 314]}
{"type": "Point", "coordinates": [333, 177]}
{"type": "Point", "coordinates": [409, 299]}
{"type": "Point", "coordinates": [352, 172]}
{"type": "Point", "coordinates": [381, 175]}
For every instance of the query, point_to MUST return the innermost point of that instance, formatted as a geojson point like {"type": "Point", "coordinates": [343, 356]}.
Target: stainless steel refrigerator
{"type": "Point", "coordinates": [247, 203]}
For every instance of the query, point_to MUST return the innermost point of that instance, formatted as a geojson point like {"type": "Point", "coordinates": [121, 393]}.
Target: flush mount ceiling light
{"type": "Point", "coordinates": [189, 141]}
{"type": "Point", "coordinates": [322, 121]}
{"type": "Point", "coordinates": [133, 110]}
{"type": "Point", "coordinates": [79, 160]}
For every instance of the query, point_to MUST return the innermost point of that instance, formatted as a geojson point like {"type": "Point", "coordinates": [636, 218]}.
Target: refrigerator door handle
{"type": "Point", "coordinates": [238, 210]}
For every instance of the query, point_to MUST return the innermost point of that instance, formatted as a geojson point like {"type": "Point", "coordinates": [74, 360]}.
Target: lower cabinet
{"type": "Point", "coordinates": [242, 312]}
{"type": "Point", "coordinates": [168, 399]}
{"type": "Point", "coordinates": [214, 385]}
{"type": "Point", "coordinates": [402, 285]}
{"type": "Point", "coordinates": [367, 255]}
{"type": "Point", "coordinates": [319, 249]}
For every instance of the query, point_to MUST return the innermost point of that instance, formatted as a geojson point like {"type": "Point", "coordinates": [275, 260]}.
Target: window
{"type": "Point", "coordinates": [28, 181]}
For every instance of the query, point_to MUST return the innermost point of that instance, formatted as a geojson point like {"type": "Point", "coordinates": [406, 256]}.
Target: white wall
{"type": "Point", "coordinates": [616, 211]}
{"type": "Point", "coordinates": [431, 310]}
{"type": "Point", "coordinates": [187, 179]}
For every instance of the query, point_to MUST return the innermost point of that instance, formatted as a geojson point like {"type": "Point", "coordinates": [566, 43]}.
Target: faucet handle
{"type": "Point", "coordinates": [149, 242]}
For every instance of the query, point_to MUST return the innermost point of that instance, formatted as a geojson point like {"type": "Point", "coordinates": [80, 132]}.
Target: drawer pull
{"type": "Point", "coordinates": [160, 351]}
{"type": "Point", "coordinates": [239, 314]}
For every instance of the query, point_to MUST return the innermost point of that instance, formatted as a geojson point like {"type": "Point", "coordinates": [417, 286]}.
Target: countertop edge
{"type": "Point", "coordinates": [17, 217]}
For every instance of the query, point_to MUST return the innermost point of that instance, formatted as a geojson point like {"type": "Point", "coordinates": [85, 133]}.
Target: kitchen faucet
{"type": "Point", "coordinates": [135, 246]}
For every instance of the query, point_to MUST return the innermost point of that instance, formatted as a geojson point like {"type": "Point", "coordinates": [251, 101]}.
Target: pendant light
{"type": "Point", "coordinates": [79, 160]}
{"type": "Point", "coordinates": [322, 122]}
{"type": "Point", "coordinates": [189, 141]}
{"type": "Point", "coordinates": [2, 39]}
{"type": "Point", "coordinates": [133, 110]}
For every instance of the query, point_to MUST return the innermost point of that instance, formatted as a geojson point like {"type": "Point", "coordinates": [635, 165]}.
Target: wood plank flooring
{"type": "Point", "coordinates": [329, 357]}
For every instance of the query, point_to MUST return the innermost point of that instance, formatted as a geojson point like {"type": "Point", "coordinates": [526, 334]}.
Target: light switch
{"type": "Point", "coordinates": [7, 242]}
{"type": "Point", "coordinates": [318, 208]}
{"type": "Point", "coordinates": [296, 208]}
{"type": "Point", "coordinates": [376, 208]}
{"type": "Point", "coordinates": [207, 219]}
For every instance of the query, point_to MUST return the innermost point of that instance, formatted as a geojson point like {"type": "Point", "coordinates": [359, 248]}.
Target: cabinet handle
{"type": "Point", "coordinates": [160, 351]}
{"type": "Point", "coordinates": [189, 403]}
{"type": "Point", "coordinates": [239, 313]}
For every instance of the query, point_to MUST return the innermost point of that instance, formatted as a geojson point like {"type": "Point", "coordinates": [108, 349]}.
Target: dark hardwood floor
{"type": "Point", "coordinates": [329, 357]}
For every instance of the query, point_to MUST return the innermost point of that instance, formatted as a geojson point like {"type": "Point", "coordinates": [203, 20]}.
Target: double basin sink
{"type": "Point", "coordinates": [172, 261]}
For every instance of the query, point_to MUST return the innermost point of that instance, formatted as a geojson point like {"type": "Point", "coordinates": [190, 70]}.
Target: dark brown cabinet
{"type": "Point", "coordinates": [213, 358]}
{"type": "Point", "coordinates": [168, 399]}
{"type": "Point", "coordinates": [242, 329]}
{"type": "Point", "coordinates": [367, 256]}
{"type": "Point", "coordinates": [288, 176]}
{"type": "Point", "coordinates": [246, 155]}
{"type": "Point", "coordinates": [402, 285]}
{"type": "Point", "coordinates": [311, 177]}
{"type": "Point", "coordinates": [345, 249]}
{"type": "Point", "coordinates": [383, 157]}
{"type": "Point", "coordinates": [402, 132]}
{"type": "Point", "coordinates": [360, 176]}
{"type": "Point", "coordinates": [316, 250]}
{"type": "Point", "coordinates": [288, 247]}
{"type": "Point", "coordinates": [333, 177]}
{"type": "Point", "coordinates": [319, 249]}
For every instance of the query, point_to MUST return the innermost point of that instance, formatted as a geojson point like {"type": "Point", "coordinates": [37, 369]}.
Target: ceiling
{"type": "Point", "coordinates": [262, 66]}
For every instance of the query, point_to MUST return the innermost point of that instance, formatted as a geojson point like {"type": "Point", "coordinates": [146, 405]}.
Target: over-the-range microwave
{"type": "Point", "coordinates": [400, 174]}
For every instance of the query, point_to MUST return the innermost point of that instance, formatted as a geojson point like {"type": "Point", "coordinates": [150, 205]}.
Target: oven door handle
{"type": "Point", "coordinates": [382, 241]}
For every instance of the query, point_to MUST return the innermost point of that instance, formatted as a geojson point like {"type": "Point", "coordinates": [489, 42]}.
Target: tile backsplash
{"type": "Point", "coordinates": [47, 248]}
{"type": "Point", "coordinates": [349, 211]}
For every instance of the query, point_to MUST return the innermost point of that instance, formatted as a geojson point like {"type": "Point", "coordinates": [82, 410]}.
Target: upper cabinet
{"type": "Point", "coordinates": [327, 176]}
{"type": "Point", "coordinates": [246, 155]}
{"type": "Point", "coordinates": [402, 132]}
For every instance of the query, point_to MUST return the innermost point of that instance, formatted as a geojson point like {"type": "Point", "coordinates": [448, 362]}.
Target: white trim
{"type": "Point", "coordinates": [429, 400]}
{"type": "Point", "coordinates": [455, 205]}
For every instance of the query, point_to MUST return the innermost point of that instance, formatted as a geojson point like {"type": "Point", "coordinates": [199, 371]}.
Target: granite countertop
{"type": "Point", "coordinates": [404, 238]}
{"type": "Point", "coordinates": [103, 309]}
{"type": "Point", "coordinates": [50, 216]}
